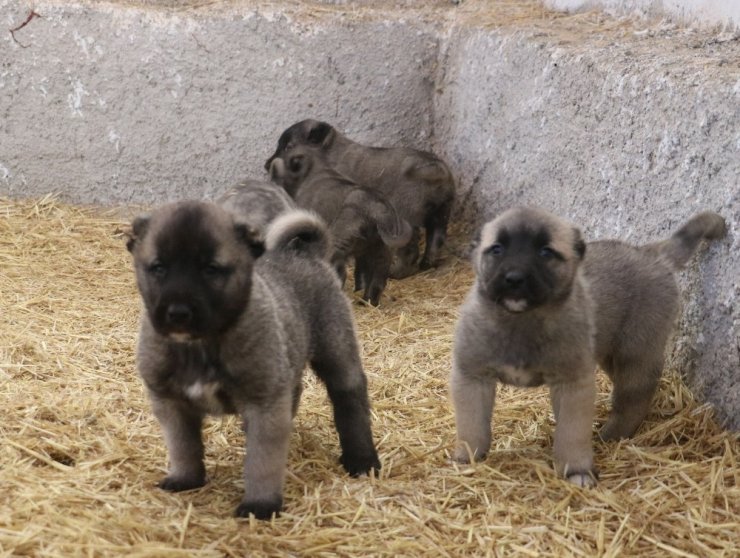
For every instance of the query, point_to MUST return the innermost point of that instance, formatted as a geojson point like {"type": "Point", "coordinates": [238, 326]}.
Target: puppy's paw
{"type": "Point", "coordinates": [613, 431]}
{"type": "Point", "coordinates": [263, 509]}
{"type": "Point", "coordinates": [464, 456]}
{"type": "Point", "coordinates": [357, 465]}
{"type": "Point", "coordinates": [178, 484]}
{"type": "Point", "coordinates": [587, 479]}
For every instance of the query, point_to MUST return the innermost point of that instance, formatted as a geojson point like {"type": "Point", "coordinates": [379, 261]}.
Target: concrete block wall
{"type": "Point", "coordinates": [626, 131]}
{"type": "Point", "coordinates": [703, 12]}
{"type": "Point", "coordinates": [111, 103]}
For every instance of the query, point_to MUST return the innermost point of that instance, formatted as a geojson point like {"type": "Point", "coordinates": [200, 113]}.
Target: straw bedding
{"type": "Point", "coordinates": [81, 453]}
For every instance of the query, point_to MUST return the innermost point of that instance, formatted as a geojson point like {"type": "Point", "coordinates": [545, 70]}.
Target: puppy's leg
{"type": "Point", "coordinates": [378, 262]}
{"type": "Point", "coordinates": [635, 384]}
{"type": "Point", "coordinates": [337, 364]}
{"type": "Point", "coordinates": [574, 404]}
{"type": "Point", "coordinates": [182, 435]}
{"type": "Point", "coordinates": [405, 258]}
{"type": "Point", "coordinates": [361, 273]}
{"type": "Point", "coordinates": [473, 399]}
{"type": "Point", "coordinates": [297, 391]}
{"type": "Point", "coordinates": [268, 433]}
{"type": "Point", "coordinates": [435, 226]}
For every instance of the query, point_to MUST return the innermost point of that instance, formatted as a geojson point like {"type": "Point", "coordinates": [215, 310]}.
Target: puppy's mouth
{"type": "Point", "coordinates": [181, 337]}
{"type": "Point", "coordinates": [514, 305]}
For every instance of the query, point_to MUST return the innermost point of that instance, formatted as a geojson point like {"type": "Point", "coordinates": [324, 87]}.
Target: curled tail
{"type": "Point", "coordinates": [679, 248]}
{"type": "Point", "coordinates": [299, 231]}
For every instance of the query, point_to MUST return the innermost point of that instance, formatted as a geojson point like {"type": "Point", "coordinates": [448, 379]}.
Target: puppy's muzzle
{"type": "Point", "coordinates": [514, 279]}
{"type": "Point", "coordinates": [179, 316]}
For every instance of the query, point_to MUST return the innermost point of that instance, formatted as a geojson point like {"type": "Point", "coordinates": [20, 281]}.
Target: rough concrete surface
{"type": "Point", "coordinates": [705, 12]}
{"type": "Point", "coordinates": [625, 128]}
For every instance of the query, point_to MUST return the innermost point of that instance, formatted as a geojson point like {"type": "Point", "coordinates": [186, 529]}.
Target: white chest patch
{"type": "Point", "coordinates": [204, 394]}
{"type": "Point", "coordinates": [515, 376]}
{"type": "Point", "coordinates": [515, 305]}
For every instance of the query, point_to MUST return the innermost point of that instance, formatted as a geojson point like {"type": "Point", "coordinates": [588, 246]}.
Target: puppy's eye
{"type": "Point", "coordinates": [547, 252]}
{"type": "Point", "coordinates": [214, 270]}
{"type": "Point", "coordinates": [157, 268]}
{"type": "Point", "coordinates": [495, 249]}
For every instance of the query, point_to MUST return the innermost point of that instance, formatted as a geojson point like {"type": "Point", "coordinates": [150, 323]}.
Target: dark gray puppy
{"type": "Point", "coordinates": [418, 184]}
{"type": "Point", "coordinates": [364, 225]}
{"type": "Point", "coordinates": [228, 329]}
{"type": "Point", "coordinates": [545, 309]}
{"type": "Point", "coordinates": [256, 202]}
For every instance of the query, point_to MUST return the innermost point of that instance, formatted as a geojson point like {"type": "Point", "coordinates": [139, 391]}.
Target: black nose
{"type": "Point", "coordinates": [179, 314]}
{"type": "Point", "coordinates": [514, 278]}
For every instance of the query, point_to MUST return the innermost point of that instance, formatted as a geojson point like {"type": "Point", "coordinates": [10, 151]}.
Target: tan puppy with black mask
{"type": "Point", "coordinates": [546, 308]}
{"type": "Point", "coordinates": [228, 330]}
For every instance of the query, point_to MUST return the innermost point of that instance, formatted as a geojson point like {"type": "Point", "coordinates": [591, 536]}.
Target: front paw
{"type": "Point", "coordinates": [582, 479]}
{"type": "Point", "coordinates": [357, 465]}
{"type": "Point", "coordinates": [178, 484]}
{"type": "Point", "coordinates": [613, 431]}
{"type": "Point", "coordinates": [260, 509]}
{"type": "Point", "coordinates": [464, 456]}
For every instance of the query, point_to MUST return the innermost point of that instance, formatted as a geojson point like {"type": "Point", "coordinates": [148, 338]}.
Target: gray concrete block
{"type": "Point", "coordinates": [625, 132]}
{"type": "Point", "coordinates": [114, 104]}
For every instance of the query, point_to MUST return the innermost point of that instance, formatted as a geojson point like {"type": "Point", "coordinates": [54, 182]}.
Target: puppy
{"type": "Point", "coordinates": [364, 225]}
{"type": "Point", "coordinates": [227, 329]}
{"type": "Point", "coordinates": [545, 309]}
{"type": "Point", "coordinates": [256, 202]}
{"type": "Point", "coordinates": [418, 184]}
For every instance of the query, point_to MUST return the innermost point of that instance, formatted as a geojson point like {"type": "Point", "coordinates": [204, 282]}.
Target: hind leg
{"type": "Point", "coordinates": [337, 364]}
{"type": "Point", "coordinates": [635, 384]}
{"type": "Point", "coordinates": [436, 235]}
{"type": "Point", "coordinates": [405, 258]}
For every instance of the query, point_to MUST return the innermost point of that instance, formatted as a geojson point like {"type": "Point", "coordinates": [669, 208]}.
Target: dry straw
{"type": "Point", "coordinates": [80, 452]}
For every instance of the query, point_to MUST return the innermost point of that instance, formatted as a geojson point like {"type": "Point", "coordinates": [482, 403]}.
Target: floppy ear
{"type": "Point", "coordinates": [578, 244]}
{"type": "Point", "coordinates": [250, 238]}
{"type": "Point", "coordinates": [136, 231]}
{"type": "Point", "coordinates": [321, 133]}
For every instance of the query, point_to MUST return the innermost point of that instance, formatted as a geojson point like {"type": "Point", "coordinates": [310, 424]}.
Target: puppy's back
{"type": "Point", "coordinates": [635, 294]}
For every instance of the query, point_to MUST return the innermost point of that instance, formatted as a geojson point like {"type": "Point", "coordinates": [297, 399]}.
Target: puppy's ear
{"type": "Point", "coordinates": [474, 243]}
{"type": "Point", "coordinates": [136, 231]}
{"type": "Point", "coordinates": [250, 238]}
{"type": "Point", "coordinates": [579, 246]}
{"type": "Point", "coordinates": [321, 133]}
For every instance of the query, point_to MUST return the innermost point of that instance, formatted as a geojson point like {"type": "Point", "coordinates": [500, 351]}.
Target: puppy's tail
{"type": "Point", "coordinates": [299, 231]}
{"type": "Point", "coordinates": [679, 248]}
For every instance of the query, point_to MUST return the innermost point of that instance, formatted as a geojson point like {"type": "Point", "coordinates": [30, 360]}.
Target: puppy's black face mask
{"type": "Point", "coordinates": [311, 133]}
{"type": "Point", "coordinates": [521, 270]}
{"type": "Point", "coordinates": [194, 275]}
